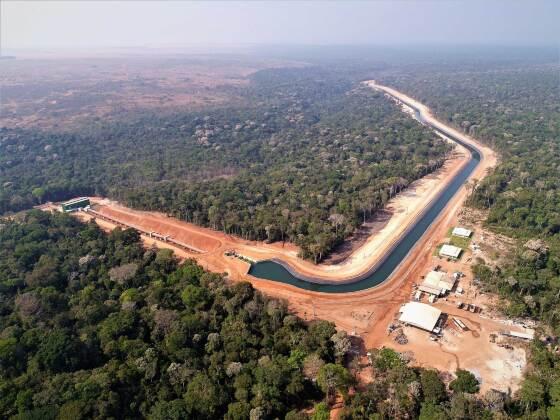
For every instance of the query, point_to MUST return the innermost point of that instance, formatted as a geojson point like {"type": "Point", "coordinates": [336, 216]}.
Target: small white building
{"type": "Point", "coordinates": [420, 315]}
{"type": "Point", "coordinates": [462, 232]}
{"type": "Point", "coordinates": [450, 251]}
{"type": "Point", "coordinates": [437, 283]}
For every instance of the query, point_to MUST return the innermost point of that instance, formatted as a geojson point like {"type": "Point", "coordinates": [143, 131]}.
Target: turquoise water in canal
{"type": "Point", "coordinates": [278, 271]}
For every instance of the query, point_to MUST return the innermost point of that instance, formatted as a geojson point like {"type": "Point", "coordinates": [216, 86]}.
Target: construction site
{"type": "Point", "coordinates": [432, 310]}
{"type": "Point", "coordinates": [430, 307]}
{"type": "Point", "coordinates": [449, 324]}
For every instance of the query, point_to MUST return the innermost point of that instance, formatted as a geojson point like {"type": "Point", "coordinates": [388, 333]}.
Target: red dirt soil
{"type": "Point", "coordinates": [197, 238]}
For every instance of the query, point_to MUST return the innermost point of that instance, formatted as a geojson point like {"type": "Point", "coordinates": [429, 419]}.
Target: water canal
{"type": "Point", "coordinates": [279, 271]}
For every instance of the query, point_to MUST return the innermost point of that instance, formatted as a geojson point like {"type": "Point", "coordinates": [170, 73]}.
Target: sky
{"type": "Point", "coordinates": [79, 23]}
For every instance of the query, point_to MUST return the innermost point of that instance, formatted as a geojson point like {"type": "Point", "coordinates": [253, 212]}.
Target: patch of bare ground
{"type": "Point", "coordinates": [375, 224]}
{"type": "Point", "coordinates": [491, 247]}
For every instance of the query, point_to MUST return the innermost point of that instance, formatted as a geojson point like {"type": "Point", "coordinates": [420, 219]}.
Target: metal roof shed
{"type": "Point", "coordinates": [420, 315]}
{"type": "Point", "coordinates": [437, 283]}
{"type": "Point", "coordinates": [429, 289]}
{"type": "Point", "coordinates": [462, 232]}
{"type": "Point", "coordinates": [75, 204]}
{"type": "Point", "coordinates": [433, 278]}
{"type": "Point", "coordinates": [450, 251]}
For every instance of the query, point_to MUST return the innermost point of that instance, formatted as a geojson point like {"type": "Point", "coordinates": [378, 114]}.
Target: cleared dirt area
{"type": "Point", "coordinates": [480, 349]}
{"type": "Point", "coordinates": [366, 313]}
{"type": "Point", "coordinates": [496, 367]}
{"type": "Point", "coordinates": [198, 239]}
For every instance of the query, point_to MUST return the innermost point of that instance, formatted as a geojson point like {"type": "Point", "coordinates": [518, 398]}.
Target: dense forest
{"type": "Point", "coordinates": [517, 112]}
{"type": "Point", "coordinates": [92, 325]}
{"type": "Point", "coordinates": [313, 158]}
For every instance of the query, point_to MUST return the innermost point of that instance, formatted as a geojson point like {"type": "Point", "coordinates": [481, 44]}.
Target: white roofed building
{"type": "Point", "coordinates": [450, 251]}
{"type": "Point", "coordinates": [437, 283]}
{"type": "Point", "coordinates": [462, 232]}
{"type": "Point", "coordinates": [420, 315]}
